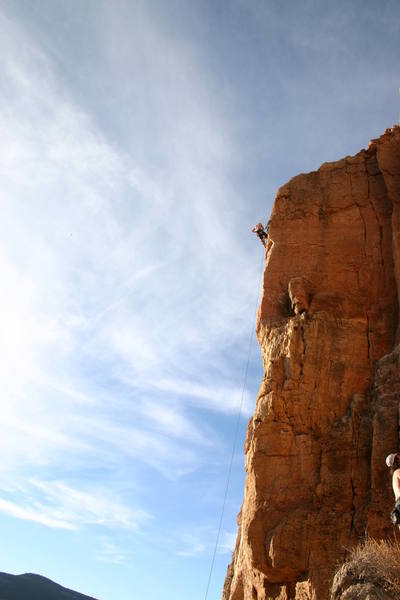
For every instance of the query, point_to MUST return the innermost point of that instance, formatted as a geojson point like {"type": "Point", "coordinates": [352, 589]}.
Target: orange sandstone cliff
{"type": "Point", "coordinates": [327, 410]}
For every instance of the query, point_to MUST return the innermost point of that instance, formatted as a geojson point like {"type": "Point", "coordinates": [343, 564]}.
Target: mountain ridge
{"type": "Point", "coordinates": [30, 586]}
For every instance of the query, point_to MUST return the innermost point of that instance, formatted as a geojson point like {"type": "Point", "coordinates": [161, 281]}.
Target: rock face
{"type": "Point", "coordinates": [327, 410]}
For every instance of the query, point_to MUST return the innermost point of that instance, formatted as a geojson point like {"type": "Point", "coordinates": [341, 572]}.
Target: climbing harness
{"type": "Point", "coordinates": [395, 514]}
{"type": "Point", "coordinates": [228, 479]}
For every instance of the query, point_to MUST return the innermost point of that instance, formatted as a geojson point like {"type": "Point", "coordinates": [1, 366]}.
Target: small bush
{"type": "Point", "coordinates": [373, 565]}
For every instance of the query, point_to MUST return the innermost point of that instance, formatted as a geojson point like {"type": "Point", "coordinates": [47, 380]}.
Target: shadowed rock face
{"type": "Point", "coordinates": [35, 587]}
{"type": "Point", "coordinates": [327, 409]}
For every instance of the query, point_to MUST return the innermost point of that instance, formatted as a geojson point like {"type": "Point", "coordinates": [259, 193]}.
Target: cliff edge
{"type": "Point", "coordinates": [327, 410]}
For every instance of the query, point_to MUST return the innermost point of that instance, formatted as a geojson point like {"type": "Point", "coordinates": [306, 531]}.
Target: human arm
{"type": "Point", "coordinates": [396, 484]}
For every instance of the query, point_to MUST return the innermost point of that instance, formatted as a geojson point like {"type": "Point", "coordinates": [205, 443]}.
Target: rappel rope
{"type": "Point", "coordinates": [236, 434]}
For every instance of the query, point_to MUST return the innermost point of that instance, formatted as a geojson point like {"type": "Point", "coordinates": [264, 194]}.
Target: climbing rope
{"type": "Point", "coordinates": [228, 479]}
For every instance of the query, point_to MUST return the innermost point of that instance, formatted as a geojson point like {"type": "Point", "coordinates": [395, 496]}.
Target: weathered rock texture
{"type": "Point", "coordinates": [327, 409]}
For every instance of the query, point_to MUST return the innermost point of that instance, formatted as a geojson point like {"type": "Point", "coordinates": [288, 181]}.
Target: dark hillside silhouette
{"type": "Point", "coordinates": [35, 587]}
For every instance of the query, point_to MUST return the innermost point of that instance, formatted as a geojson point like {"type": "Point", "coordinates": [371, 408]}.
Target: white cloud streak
{"type": "Point", "coordinates": [110, 553]}
{"type": "Point", "coordinates": [213, 397]}
{"type": "Point", "coordinates": [60, 506]}
{"type": "Point", "coordinates": [119, 291]}
{"type": "Point", "coordinates": [14, 509]}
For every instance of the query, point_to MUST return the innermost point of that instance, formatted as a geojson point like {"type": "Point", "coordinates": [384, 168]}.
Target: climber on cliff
{"type": "Point", "coordinates": [393, 462]}
{"type": "Point", "coordinates": [260, 231]}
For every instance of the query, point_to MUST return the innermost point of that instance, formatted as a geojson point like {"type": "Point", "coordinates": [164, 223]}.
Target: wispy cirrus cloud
{"type": "Point", "coordinates": [192, 547]}
{"type": "Point", "coordinates": [36, 514]}
{"type": "Point", "coordinates": [203, 542]}
{"type": "Point", "coordinates": [60, 506]}
{"type": "Point", "coordinates": [111, 553]}
{"type": "Point", "coordinates": [220, 398]}
{"type": "Point", "coordinates": [93, 278]}
{"type": "Point", "coordinates": [116, 309]}
{"type": "Point", "coordinates": [127, 289]}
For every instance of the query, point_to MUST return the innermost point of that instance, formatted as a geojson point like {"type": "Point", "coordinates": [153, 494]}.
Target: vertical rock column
{"type": "Point", "coordinates": [386, 385]}
{"type": "Point", "coordinates": [328, 314]}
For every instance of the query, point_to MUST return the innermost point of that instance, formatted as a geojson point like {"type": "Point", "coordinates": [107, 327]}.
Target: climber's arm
{"type": "Point", "coordinates": [396, 483]}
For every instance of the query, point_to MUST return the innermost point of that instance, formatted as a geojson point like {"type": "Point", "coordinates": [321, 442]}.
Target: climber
{"type": "Point", "coordinates": [262, 234]}
{"type": "Point", "coordinates": [393, 462]}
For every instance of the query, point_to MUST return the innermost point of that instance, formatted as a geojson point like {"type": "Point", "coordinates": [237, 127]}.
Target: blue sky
{"type": "Point", "coordinates": [140, 142]}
